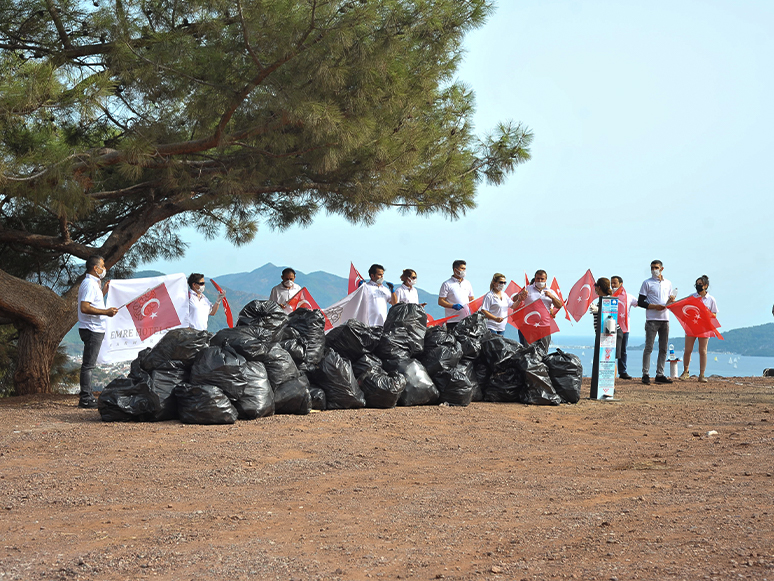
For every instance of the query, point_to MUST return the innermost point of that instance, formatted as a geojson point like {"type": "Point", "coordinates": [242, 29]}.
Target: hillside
{"type": "Point", "coordinates": [755, 341]}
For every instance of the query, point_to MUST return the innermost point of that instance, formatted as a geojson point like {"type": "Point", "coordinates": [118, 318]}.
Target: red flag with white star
{"type": "Point", "coordinates": [623, 308]}
{"type": "Point", "coordinates": [580, 297]}
{"type": "Point", "coordinates": [557, 291]}
{"type": "Point", "coordinates": [354, 279]}
{"type": "Point", "coordinates": [303, 300]}
{"type": "Point", "coordinates": [153, 311]}
{"type": "Point", "coordinates": [534, 321]}
{"type": "Point", "coordinates": [695, 317]}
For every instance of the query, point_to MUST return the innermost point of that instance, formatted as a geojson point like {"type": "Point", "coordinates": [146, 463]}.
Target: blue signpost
{"type": "Point", "coordinates": [603, 370]}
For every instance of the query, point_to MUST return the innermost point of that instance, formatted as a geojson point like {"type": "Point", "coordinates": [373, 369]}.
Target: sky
{"type": "Point", "coordinates": [653, 130]}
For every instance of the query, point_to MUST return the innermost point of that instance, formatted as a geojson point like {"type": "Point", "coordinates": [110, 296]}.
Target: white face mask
{"type": "Point", "coordinates": [379, 280]}
{"type": "Point", "coordinates": [499, 286]}
{"type": "Point", "coordinates": [410, 282]}
{"type": "Point", "coordinates": [655, 272]}
{"type": "Point", "coordinates": [287, 283]}
{"type": "Point", "coordinates": [540, 284]}
{"type": "Point", "coordinates": [102, 274]}
{"type": "Point", "coordinates": [460, 274]}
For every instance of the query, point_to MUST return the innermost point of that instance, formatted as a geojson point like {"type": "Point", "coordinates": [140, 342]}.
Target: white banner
{"type": "Point", "coordinates": [353, 306]}
{"type": "Point", "coordinates": [122, 341]}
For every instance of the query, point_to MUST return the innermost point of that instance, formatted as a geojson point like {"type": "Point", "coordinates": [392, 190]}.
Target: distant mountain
{"type": "Point", "coordinates": [755, 341]}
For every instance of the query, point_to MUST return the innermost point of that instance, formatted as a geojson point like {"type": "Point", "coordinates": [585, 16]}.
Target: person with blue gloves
{"type": "Point", "coordinates": [455, 294]}
{"type": "Point", "coordinates": [379, 295]}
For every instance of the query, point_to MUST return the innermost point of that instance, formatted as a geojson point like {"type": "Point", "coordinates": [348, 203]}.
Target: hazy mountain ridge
{"type": "Point", "coordinates": [755, 341]}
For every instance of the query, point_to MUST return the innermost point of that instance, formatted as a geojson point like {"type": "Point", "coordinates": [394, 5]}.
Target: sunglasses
{"type": "Point", "coordinates": [199, 283]}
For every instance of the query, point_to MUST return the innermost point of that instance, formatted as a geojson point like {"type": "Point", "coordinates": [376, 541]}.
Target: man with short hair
{"type": "Point", "coordinates": [379, 294]}
{"type": "Point", "coordinates": [286, 290]}
{"type": "Point", "coordinates": [455, 294]}
{"type": "Point", "coordinates": [615, 283]}
{"type": "Point", "coordinates": [655, 294]}
{"type": "Point", "coordinates": [92, 323]}
{"type": "Point", "coordinates": [538, 290]}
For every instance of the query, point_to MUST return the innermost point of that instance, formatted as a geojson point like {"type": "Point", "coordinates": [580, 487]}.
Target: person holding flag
{"type": "Point", "coordinates": [616, 283]}
{"type": "Point", "coordinates": [379, 294]}
{"type": "Point", "coordinates": [603, 289]}
{"type": "Point", "coordinates": [496, 304]}
{"type": "Point", "coordinates": [284, 291]}
{"type": "Point", "coordinates": [702, 284]}
{"type": "Point", "coordinates": [407, 292]}
{"type": "Point", "coordinates": [537, 290]}
{"type": "Point", "coordinates": [455, 294]}
{"type": "Point", "coordinates": [655, 294]}
{"type": "Point", "coordinates": [92, 323]}
{"type": "Point", "coordinates": [199, 307]}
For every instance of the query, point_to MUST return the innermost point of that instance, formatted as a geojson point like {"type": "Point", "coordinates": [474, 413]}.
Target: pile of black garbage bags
{"type": "Point", "coordinates": [274, 363]}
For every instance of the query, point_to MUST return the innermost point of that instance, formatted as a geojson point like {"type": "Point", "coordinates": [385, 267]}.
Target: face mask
{"type": "Point", "coordinates": [411, 281]}
{"type": "Point", "coordinates": [499, 286]}
{"type": "Point", "coordinates": [540, 284]}
{"type": "Point", "coordinates": [379, 280]}
{"type": "Point", "coordinates": [287, 283]}
{"type": "Point", "coordinates": [699, 288]}
{"type": "Point", "coordinates": [655, 272]}
{"type": "Point", "coordinates": [460, 274]}
{"type": "Point", "coordinates": [102, 274]}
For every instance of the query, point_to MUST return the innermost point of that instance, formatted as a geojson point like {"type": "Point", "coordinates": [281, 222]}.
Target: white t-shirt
{"type": "Point", "coordinates": [90, 291]}
{"type": "Point", "coordinates": [198, 311]}
{"type": "Point", "coordinates": [378, 296]}
{"type": "Point", "coordinates": [407, 294]}
{"type": "Point", "coordinates": [657, 292]}
{"type": "Point", "coordinates": [709, 302]}
{"type": "Point", "coordinates": [456, 291]}
{"type": "Point", "coordinates": [281, 295]}
{"type": "Point", "coordinates": [534, 293]}
{"type": "Point", "coordinates": [497, 307]}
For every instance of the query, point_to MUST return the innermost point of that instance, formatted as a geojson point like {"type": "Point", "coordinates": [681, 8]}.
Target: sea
{"type": "Point", "coordinates": [722, 364]}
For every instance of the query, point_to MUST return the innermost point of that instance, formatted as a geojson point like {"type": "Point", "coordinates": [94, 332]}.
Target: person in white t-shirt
{"type": "Point", "coordinates": [455, 294]}
{"type": "Point", "coordinates": [380, 294]}
{"type": "Point", "coordinates": [615, 283]}
{"type": "Point", "coordinates": [407, 292]}
{"type": "Point", "coordinates": [286, 290]}
{"type": "Point", "coordinates": [538, 289]}
{"type": "Point", "coordinates": [702, 284]}
{"type": "Point", "coordinates": [655, 294]}
{"type": "Point", "coordinates": [200, 309]}
{"type": "Point", "coordinates": [92, 323]}
{"type": "Point", "coordinates": [496, 304]}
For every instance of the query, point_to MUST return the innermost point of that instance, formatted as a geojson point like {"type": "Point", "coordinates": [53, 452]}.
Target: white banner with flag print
{"type": "Point", "coordinates": [122, 340]}
{"type": "Point", "coordinates": [353, 306]}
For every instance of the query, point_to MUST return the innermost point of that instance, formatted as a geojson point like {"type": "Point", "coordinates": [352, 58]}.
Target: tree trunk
{"type": "Point", "coordinates": [36, 349]}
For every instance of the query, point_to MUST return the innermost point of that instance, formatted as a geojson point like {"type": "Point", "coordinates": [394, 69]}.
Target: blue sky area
{"type": "Point", "coordinates": [653, 132]}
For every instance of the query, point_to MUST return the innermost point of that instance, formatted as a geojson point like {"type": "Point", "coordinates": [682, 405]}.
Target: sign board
{"type": "Point", "coordinates": [603, 374]}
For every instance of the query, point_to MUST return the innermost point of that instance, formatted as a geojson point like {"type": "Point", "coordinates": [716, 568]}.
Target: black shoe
{"type": "Point", "coordinates": [663, 379]}
{"type": "Point", "coordinates": [624, 376]}
{"type": "Point", "coordinates": [87, 403]}
{"type": "Point", "coordinates": [646, 379]}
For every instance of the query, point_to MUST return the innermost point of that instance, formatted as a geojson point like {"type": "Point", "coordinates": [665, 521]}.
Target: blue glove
{"type": "Point", "coordinates": [390, 286]}
{"type": "Point", "coordinates": [360, 282]}
{"type": "Point", "coordinates": [457, 307]}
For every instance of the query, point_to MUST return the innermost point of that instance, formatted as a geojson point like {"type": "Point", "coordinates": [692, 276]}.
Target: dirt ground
{"type": "Point", "coordinates": [667, 482]}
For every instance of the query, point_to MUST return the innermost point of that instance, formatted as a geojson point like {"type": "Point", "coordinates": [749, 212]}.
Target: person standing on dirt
{"type": "Point", "coordinates": [702, 284]}
{"type": "Point", "coordinates": [455, 294]}
{"type": "Point", "coordinates": [92, 323]}
{"type": "Point", "coordinates": [285, 290]}
{"type": "Point", "coordinates": [655, 294]}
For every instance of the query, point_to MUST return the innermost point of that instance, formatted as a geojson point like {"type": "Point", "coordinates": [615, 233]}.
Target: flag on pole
{"type": "Point", "coordinates": [580, 297]}
{"type": "Point", "coordinates": [226, 306]}
{"type": "Point", "coordinates": [303, 300]}
{"type": "Point", "coordinates": [558, 292]}
{"type": "Point", "coordinates": [697, 320]}
{"type": "Point", "coordinates": [436, 322]}
{"type": "Point", "coordinates": [474, 305]}
{"type": "Point", "coordinates": [623, 308]}
{"type": "Point", "coordinates": [354, 279]}
{"type": "Point", "coordinates": [534, 321]}
{"type": "Point", "coordinates": [153, 311]}
{"type": "Point", "coordinates": [526, 280]}
{"type": "Point", "coordinates": [353, 306]}
{"type": "Point", "coordinates": [512, 289]}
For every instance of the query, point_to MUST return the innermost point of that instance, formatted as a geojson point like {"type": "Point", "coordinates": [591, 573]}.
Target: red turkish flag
{"type": "Point", "coordinates": [354, 279]}
{"type": "Point", "coordinates": [558, 293]}
{"type": "Point", "coordinates": [303, 300]}
{"type": "Point", "coordinates": [695, 317]}
{"type": "Point", "coordinates": [526, 279]}
{"type": "Point", "coordinates": [435, 323]}
{"type": "Point", "coordinates": [623, 308]}
{"type": "Point", "coordinates": [476, 304]}
{"type": "Point", "coordinates": [534, 321]}
{"type": "Point", "coordinates": [512, 289]}
{"type": "Point", "coordinates": [580, 297]}
{"type": "Point", "coordinates": [153, 312]}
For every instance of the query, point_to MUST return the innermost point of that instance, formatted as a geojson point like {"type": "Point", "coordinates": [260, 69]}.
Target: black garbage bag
{"type": "Point", "coordinates": [442, 352]}
{"type": "Point", "coordinates": [381, 389]}
{"type": "Point", "coordinates": [204, 404]}
{"type": "Point", "coordinates": [457, 386]}
{"type": "Point", "coordinates": [336, 378]}
{"type": "Point", "coordinates": [394, 347]}
{"type": "Point", "coordinates": [265, 314]}
{"type": "Point", "coordinates": [257, 400]}
{"type": "Point", "coordinates": [566, 373]}
{"type": "Point", "coordinates": [220, 367]}
{"type": "Point", "coordinates": [163, 382]}
{"type": "Point", "coordinates": [470, 333]}
{"type": "Point", "coordinates": [481, 372]}
{"type": "Point", "coordinates": [318, 398]}
{"type": "Point", "coordinates": [538, 389]}
{"type": "Point", "coordinates": [123, 400]}
{"type": "Point", "coordinates": [136, 369]}
{"type": "Point", "coordinates": [504, 385]}
{"type": "Point", "coordinates": [280, 366]}
{"type": "Point", "coordinates": [296, 347]}
{"type": "Point", "coordinates": [177, 345]}
{"type": "Point", "coordinates": [506, 379]}
{"type": "Point", "coordinates": [252, 343]}
{"type": "Point", "coordinates": [353, 339]}
{"type": "Point", "coordinates": [499, 352]}
{"type": "Point", "coordinates": [293, 397]}
{"type": "Point", "coordinates": [411, 317]}
{"type": "Point", "coordinates": [310, 325]}
{"type": "Point", "coordinates": [365, 363]}
{"type": "Point", "coordinates": [420, 389]}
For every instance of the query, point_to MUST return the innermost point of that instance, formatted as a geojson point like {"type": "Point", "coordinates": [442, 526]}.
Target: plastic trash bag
{"type": "Point", "coordinates": [257, 400]}
{"type": "Point", "coordinates": [365, 363]}
{"type": "Point", "coordinates": [456, 386]}
{"type": "Point", "coordinates": [220, 367]}
{"type": "Point", "coordinates": [420, 389]}
{"type": "Point", "coordinates": [123, 400]}
{"type": "Point", "coordinates": [280, 366]}
{"type": "Point", "coordinates": [310, 325]}
{"type": "Point", "coordinates": [538, 389]}
{"type": "Point", "coordinates": [293, 397]}
{"type": "Point", "coordinates": [566, 373]}
{"type": "Point", "coordinates": [413, 319]}
{"type": "Point", "coordinates": [506, 378]}
{"type": "Point", "coordinates": [204, 404]}
{"type": "Point", "coordinates": [470, 333]}
{"type": "Point", "coordinates": [265, 314]}
{"type": "Point", "coordinates": [353, 339]}
{"type": "Point", "coordinates": [318, 398]}
{"type": "Point", "coordinates": [394, 347]}
{"type": "Point", "coordinates": [336, 378]}
{"type": "Point", "coordinates": [296, 347]}
{"type": "Point", "coordinates": [177, 345]}
{"type": "Point", "coordinates": [252, 343]}
{"type": "Point", "coordinates": [442, 352]}
{"type": "Point", "coordinates": [380, 388]}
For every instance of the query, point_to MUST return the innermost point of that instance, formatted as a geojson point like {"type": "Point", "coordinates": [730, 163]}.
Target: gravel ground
{"type": "Point", "coordinates": [667, 482]}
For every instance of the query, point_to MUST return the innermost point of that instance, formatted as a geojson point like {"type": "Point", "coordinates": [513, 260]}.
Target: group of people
{"type": "Point", "coordinates": [455, 296]}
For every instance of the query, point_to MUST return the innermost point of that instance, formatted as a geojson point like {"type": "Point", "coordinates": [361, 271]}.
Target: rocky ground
{"type": "Point", "coordinates": [667, 482]}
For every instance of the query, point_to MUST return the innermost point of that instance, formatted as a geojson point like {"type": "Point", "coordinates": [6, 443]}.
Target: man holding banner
{"type": "Point", "coordinates": [92, 323]}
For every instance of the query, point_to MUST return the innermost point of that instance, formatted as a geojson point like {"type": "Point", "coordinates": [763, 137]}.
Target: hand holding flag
{"type": "Point", "coordinates": [580, 297]}
{"type": "Point", "coordinates": [534, 321]}
{"type": "Point", "coordinates": [697, 320]}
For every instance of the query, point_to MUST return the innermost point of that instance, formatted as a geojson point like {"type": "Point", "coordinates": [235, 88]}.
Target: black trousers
{"type": "Point", "coordinates": [91, 343]}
